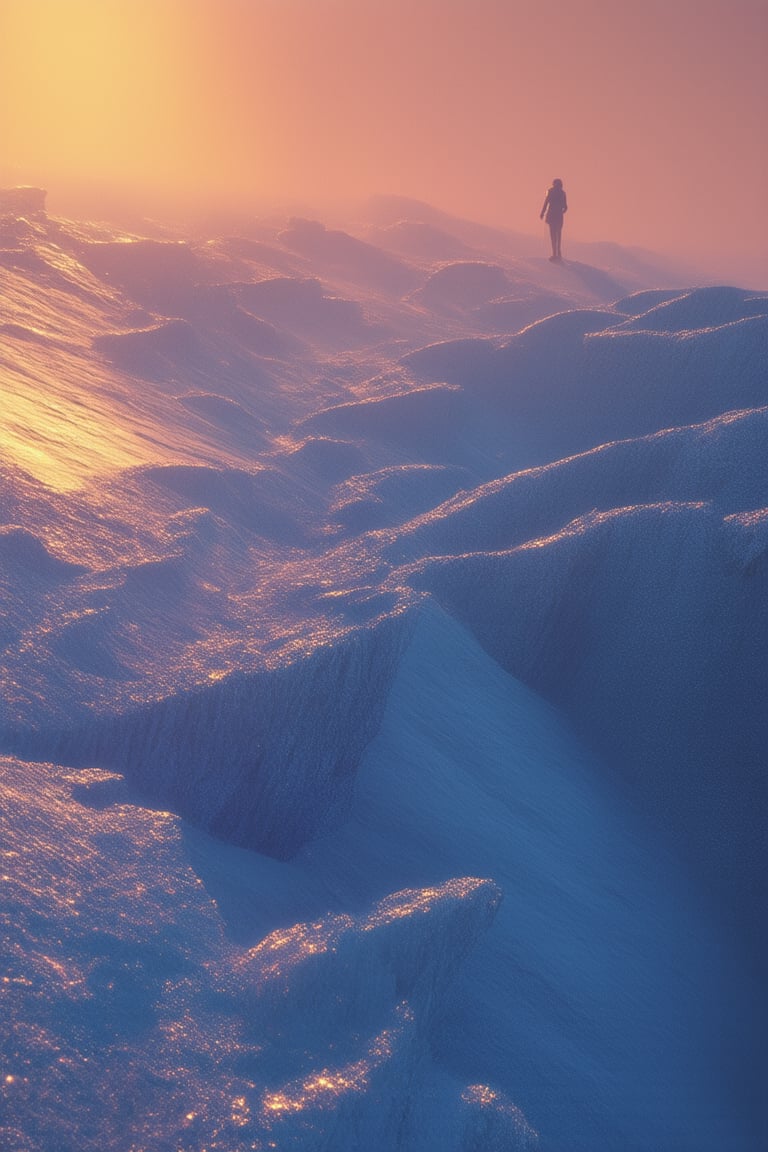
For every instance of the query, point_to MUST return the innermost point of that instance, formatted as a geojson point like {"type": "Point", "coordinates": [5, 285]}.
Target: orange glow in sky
{"type": "Point", "coordinates": [652, 112]}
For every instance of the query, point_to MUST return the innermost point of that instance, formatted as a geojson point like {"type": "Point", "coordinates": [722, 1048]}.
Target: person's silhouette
{"type": "Point", "coordinates": [555, 206]}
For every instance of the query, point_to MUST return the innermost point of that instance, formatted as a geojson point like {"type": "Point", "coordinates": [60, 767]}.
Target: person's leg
{"type": "Point", "coordinates": [553, 238]}
{"type": "Point", "coordinates": [558, 236]}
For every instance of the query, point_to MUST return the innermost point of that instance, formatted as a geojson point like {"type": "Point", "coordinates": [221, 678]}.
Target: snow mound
{"type": "Point", "coordinates": [464, 284]}
{"type": "Point", "coordinates": [637, 382]}
{"type": "Point", "coordinates": [392, 495]}
{"type": "Point", "coordinates": [564, 328]}
{"type": "Point", "coordinates": [263, 501]}
{"type": "Point", "coordinates": [419, 240]}
{"type": "Point", "coordinates": [152, 352]}
{"type": "Point", "coordinates": [151, 270]}
{"type": "Point", "coordinates": [412, 942]}
{"type": "Point", "coordinates": [749, 537]}
{"type": "Point", "coordinates": [301, 306]}
{"type": "Point", "coordinates": [700, 308]}
{"type": "Point", "coordinates": [329, 458]}
{"type": "Point", "coordinates": [420, 422]}
{"type": "Point", "coordinates": [452, 361]}
{"type": "Point", "coordinates": [580, 378]}
{"type": "Point", "coordinates": [22, 201]}
{"type": "Point", "coordinates": [259, 336]}
{"type": "Point", "coordinates": [340, 254]}
{"type": "Point", "coordinates": [646, 299]}
{"type": "Point", "coordinates": [24, 556]}
{"type": "Point", "coordinates": [85, 646]}
{"type": "Point", "coordinates": [28, 570]}
{"type": "Point", "coordinates": [520, 310]}
{"type": "Point", "coordinates": [490, 1120]}
{"type": "Point", "coordinates": [407, 951]}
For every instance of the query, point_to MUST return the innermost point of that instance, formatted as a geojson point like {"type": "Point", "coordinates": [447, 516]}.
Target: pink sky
{"type": "Point", "coordinates": [652, 112]}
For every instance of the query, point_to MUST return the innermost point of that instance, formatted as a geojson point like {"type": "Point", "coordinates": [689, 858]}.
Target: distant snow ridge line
{"type": "Point", "coordinates": [264, 759]}
{"type": "Point", "coordinates": [119, 975]}
{"type": "Point", "coordinates": [563, 612]}
{"type": "Point", "coordinates": [301, 306]}
{"type": "Point", "coordinates": [22, 200]}
{"type": "Point", "coordinates": [361, 262]}
{"type": "Point", "coordinates": [140, 264]}
{"type": "Point", "coordinates": [464, 284]}
{"type": "Point", "coordinates": [419, 241]}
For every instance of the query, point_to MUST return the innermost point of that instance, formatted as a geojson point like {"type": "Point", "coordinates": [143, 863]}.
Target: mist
{"type": "Point", "coordinates": [650, 115]}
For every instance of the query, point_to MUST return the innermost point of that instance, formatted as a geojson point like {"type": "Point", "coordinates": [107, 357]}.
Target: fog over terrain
{"type": "Point", "coordinates": [652, 114]}
{"type": "Point", "coordinates": [383, 659]}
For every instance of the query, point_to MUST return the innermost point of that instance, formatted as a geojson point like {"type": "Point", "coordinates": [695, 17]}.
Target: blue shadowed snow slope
{"type": "Point", "coordinates": [383, 677]}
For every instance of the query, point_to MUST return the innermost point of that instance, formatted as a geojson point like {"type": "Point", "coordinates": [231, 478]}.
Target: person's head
{"type": "Point", "coordinates": [557, 183]}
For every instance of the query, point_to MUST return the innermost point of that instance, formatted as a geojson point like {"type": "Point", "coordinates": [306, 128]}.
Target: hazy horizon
{"type": "Point", "coordinates": [651, 116]}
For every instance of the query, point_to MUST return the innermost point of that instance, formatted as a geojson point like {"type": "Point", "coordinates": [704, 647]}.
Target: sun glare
{"type": "Point", "coordinates": [97, 89]}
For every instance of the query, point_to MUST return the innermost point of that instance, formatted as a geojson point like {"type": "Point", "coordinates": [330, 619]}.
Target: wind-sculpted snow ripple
{"type": "Point", "coordinates": [721, 460]}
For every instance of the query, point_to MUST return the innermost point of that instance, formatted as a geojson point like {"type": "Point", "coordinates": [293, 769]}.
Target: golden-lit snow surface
{"type": "Point", "coordinates": [130, 1012]}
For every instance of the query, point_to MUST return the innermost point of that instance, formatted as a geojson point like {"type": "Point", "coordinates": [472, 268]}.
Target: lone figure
{"type": "Point", "coordinates": [555, 206]}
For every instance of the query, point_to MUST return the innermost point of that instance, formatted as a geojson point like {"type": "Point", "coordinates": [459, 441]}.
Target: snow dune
{"type": "Point", "coordinates": [383, 675]}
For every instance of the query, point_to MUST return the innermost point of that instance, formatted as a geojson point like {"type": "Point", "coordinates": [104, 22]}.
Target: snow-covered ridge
{"type": "Point", "coordinates": [323, 548]}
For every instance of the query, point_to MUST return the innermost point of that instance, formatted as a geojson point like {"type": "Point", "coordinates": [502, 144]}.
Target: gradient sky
{"type": "Point", "coordinates": [653, 112]}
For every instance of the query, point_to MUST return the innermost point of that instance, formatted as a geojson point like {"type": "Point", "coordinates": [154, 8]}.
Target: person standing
{"type": "Point", "coordinates": [554, 208]}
